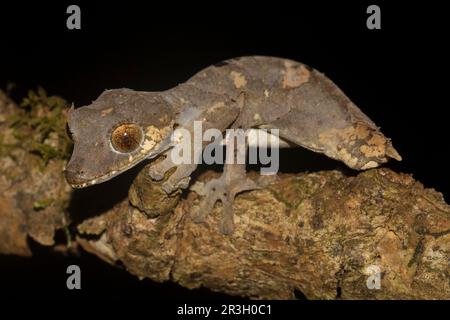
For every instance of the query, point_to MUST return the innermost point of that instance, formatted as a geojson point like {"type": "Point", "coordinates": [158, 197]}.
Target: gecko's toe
{"type": "Point", "coordinates": [170, 186]}
{"type": "Point", "coordinates": [160, 167]}
{"type": "Point", "coordinates": [226, 227]}
{"type": "Point", "coordinates": [210, 197]}
{"type": "Point", "coordinates": [227, 224]}
{"type": "Point", "coordinates": [156, 174]}
{"type": "Point", "coordinates": [219, 190]}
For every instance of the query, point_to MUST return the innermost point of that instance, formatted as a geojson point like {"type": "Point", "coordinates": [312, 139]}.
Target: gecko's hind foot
{"type": "Point", "coordinates": [224, 190]}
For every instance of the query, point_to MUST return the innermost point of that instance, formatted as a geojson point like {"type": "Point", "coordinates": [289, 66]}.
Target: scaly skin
{"type": "Point", "coordinates": [306, 107]}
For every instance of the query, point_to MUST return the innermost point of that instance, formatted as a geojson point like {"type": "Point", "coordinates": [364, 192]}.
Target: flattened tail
{"type": "Point", "coordinates": [392, 153]}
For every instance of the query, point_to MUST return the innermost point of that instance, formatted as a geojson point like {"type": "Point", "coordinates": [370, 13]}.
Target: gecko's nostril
{"type": "Point", "coordinates": [74, 176]}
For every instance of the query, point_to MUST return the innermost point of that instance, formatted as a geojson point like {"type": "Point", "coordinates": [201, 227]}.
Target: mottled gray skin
{"type": "Point", "coordinates": [93, 159]}
{"type": "Point", "coordinates": [250, 92]}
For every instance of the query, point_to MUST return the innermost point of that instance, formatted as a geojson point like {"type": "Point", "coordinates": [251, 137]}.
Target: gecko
{"type": "Point", "coordinates": [124, 127]}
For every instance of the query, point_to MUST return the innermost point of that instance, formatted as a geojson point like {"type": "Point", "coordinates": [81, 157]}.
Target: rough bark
{"type": "Point", "coordinates": [315, 233]}
{"type": "Point", "coordinates": [33, 192]}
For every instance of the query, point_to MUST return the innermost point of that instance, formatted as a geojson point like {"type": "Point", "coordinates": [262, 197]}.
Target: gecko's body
{"type": "Point", "coordinates": [123, 127]}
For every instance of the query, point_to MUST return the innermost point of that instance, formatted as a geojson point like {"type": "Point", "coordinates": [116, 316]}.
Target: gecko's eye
{"type": "Point", "coordinates": [126, 138]}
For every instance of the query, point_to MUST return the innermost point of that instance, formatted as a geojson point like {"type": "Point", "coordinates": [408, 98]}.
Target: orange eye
{"type": "Point", "coordinates": [126, 138]}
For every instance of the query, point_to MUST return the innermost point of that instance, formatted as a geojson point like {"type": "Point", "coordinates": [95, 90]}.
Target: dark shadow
{"type": "Point", "coordinates": [94, 200]}
{"type": "Point", "coordinates": [299, 295]}
{"type": "Point", "coordinates": [298, 160]}
{"type": "Point", "coordinates": [44, 276]}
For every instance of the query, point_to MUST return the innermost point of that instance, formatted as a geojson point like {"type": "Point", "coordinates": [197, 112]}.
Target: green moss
{"type": "Point", "coordinates": [68, 237]}
{"type": "Point", "coordinates": [42, 204]}
{"type": "Point", "coordinates": [39, 127]}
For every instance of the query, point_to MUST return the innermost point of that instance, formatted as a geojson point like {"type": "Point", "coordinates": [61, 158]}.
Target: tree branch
{"type": "Point", "coordinates": [321, 234]}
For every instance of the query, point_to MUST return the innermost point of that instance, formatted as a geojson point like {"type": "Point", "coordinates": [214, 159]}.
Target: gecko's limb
{"type": "Point", "coordinates": [226, 112]}
{"type": "Point", "coordinates": [159, 169]}
{"type": "Point", "coordinates": [224, 189]}
{"type": "Point", "coordinates": [179, 179]}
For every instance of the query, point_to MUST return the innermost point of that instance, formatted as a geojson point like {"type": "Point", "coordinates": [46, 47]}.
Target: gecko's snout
{"type": "Point", "coordinates": [76, 174]}
{"type": "Point", "coordinates": [75, 177]}
{"type": "Point", "coordinates": [81, 173]}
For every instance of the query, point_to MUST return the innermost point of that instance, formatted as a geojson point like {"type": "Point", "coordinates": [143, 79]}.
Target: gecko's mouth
{"type": "Point", "coordinates": [78, 181]}
{"type": "Point", "coordinates": [93, 181]}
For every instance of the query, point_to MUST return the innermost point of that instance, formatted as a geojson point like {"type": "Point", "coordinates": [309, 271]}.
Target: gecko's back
{"type": "Point", "coordinates": [124, 127]}
{"type": "Point", "coordinates": [307, 107]}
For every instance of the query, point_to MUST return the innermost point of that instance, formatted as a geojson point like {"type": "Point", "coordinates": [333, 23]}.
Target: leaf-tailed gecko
{"type": "Point", "coordinates": [124, 127]}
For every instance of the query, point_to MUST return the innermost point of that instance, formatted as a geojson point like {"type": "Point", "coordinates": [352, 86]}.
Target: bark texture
{"type": "Point", "coordinates": [33, 193]}
{"type": "Point", "coordinates": [320, 233]}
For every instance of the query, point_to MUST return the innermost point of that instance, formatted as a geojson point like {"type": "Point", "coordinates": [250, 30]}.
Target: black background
{"type": "Point", "coordinates": [397, 75]}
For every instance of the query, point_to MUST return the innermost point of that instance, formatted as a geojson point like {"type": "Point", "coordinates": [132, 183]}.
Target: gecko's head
{"type": "Point", "coordinates": [117, 131]}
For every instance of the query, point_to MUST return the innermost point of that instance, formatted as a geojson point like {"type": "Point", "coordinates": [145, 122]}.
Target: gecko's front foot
{"type": "Point", "coordinates": [178, 179]}
{"type": "Point", "coordinates": [222, 189]}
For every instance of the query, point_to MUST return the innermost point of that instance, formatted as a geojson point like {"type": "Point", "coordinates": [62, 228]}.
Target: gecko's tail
{"type": "Point", "coordinates": [392, 153]}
